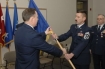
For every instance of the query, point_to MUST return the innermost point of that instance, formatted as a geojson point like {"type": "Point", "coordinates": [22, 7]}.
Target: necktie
{"type": "Point", "coordinates": [98, 28]}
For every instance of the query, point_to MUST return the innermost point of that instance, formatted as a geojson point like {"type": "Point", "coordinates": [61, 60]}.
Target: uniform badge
{"type": "Point", "coordinates": [80, 34]}
{"type": "Point", "coordinates": [103, 33]}
{"type": "Point", "coordinates": [87, 35]}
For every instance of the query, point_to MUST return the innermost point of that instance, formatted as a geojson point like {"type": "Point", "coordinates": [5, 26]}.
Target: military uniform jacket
{"type": "Point", "coordinates": [97, 41]}
{"type": "Point", "coordinates": [79, 45]}
{"type": "Point", "coordinates": [28, 44]}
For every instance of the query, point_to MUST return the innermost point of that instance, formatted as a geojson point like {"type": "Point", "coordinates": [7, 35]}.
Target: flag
{"type": "Point", "coordinates": [2, 28]}
{"type": "Point", "coordinates": [15, 18]}
{"type": "Point", "coordinates": [9, 33]}
{"type": "Point", "coordinates": [42, 24]}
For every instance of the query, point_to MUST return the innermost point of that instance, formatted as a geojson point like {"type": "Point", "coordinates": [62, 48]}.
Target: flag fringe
{"type": "Point", "coordinates": [9, 42]}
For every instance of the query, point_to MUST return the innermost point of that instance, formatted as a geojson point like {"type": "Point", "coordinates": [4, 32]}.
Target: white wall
{"type": "Point", "coordinates": [90, 12]}
{"type": "Point", "coordinates": [96, 10]}
{"type": "Point", "coordinates": [60, 14]}
{"type": "Point", "coordinates": [98, 7]}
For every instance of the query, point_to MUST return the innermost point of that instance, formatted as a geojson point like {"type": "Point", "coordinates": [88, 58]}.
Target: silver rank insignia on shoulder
{"type": "Point", "coordinates": [87, 35]}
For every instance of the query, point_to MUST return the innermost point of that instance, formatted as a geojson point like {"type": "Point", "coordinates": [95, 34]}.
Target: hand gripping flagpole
{"type": "Point", "coordinates": [68, 60]}
{"type": "Point", "coordinates": [62, 48]}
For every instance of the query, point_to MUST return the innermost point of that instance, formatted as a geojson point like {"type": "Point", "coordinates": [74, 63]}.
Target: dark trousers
{"type": "Point", "coordinates": [81, 66]}
{"type": "Point", "coordinates": [99, 61]}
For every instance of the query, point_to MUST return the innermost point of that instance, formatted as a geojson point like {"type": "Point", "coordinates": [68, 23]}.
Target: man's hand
{"type": "Point", "coordinates": [69, 56]}
{"type": "Point", "coordinates": [48, 31]}
{"type": "Point", "coordinates": [54, 36]}
{"type": "Point", "coordinates": [90, 51]}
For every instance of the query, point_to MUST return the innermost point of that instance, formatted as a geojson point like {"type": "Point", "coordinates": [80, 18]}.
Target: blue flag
{"type": "Point", "coordinates": [15, 18]}
{"type": "Point", "coordinates": [42, 24]}
{"type": "Point", "coordinates": [9, 34]}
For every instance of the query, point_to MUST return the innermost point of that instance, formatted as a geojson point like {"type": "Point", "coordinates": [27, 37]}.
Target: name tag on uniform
{"type": "Point", "coordinates": [80, 34]}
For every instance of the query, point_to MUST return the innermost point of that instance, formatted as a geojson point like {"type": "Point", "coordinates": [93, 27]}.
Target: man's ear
{"type": "Point", "coordinates": [104, 19]}
{"type": "Point", "coordinates": [31, 19]}
{"type": "Point", "coordinates": [84, 18]}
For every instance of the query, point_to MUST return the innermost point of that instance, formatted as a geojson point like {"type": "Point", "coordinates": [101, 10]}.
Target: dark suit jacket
{"type": "Point", "coordinates": [97, 42]}
{"type": "Point", "coordinates": [28, 43]}
{"type": "Point", "coordinates": [79, 46]}
{"type": "Point", "coordinates": [21, 24]}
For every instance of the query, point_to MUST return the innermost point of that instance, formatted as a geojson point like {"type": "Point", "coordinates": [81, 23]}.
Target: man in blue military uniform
{"type": "Point", "coordinates": [98, 43]}
{"type": "Point", "coordinates": [28, 42]}
{"type": "Point", "coordinates": [79, 50]}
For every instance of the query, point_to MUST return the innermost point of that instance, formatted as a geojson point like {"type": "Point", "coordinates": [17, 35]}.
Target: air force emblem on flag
{"type": "Point", "coordinates": [87, 35]}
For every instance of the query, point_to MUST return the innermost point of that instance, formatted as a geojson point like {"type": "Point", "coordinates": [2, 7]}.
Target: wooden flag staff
{"type": "Point", "coordinates": [68, 60]}
{"type": "Point", "coordinates": [62, 48]}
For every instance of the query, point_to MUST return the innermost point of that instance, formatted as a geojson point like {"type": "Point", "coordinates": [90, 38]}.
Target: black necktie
{"type": "Point", "coordinates": [98, 28]}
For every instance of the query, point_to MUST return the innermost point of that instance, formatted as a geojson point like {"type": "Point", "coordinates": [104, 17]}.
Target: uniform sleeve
{"type": "Point", "coordinates": [39, 43]}
{"type": "Point", "coordinates": [81, 46]}
{"type": "Point", "coordinates": [66, 35]}
{"type": "Point", "coordinates": [19, 25]}
{"type": "Point", "coordinates": [43, 35]}
{"type": "Point", "coordinates": [91, 37]}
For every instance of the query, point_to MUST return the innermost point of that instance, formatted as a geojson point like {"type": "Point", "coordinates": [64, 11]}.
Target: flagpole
{"type": "Point", "coordinates": [9, 47]}
{"type": "Point", "coordinates": [7, 2]}
{"type": "Point", "coordinates": [7, 5]}
{"type": "Point", "coordinates": [14, 1]}
{"type": "Point", "coordinates": [62, 48]}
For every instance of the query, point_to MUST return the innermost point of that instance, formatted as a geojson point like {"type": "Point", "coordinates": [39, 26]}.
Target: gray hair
{"type": "Point", "coordinates": [102, 15]}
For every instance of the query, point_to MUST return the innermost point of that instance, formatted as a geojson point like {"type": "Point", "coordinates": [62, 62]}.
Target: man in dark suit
{"type": "Point", "coordinates": [28, 42]}
{"type": "Point", "coordinates": [98, 43]}
{"type": "Point", "coordinates": [79, 50]}
{"type": "Point", "coordinates": [19, 25]}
